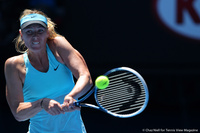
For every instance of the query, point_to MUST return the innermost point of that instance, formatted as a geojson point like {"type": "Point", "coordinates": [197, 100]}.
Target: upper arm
{"type": "Point", "coordinates": [14, 94]}
{"type": "Point", "coordinates": [71, 57]}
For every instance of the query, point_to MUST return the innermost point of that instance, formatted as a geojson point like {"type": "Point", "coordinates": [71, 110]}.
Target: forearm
{"type": "Point", "coordinates": [83, 84]}
{"type": "Point", "coordinates": [26, 110]}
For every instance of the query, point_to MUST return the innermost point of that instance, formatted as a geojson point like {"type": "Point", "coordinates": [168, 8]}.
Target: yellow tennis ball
{"type": "Point", "coordinates": [102, 82]}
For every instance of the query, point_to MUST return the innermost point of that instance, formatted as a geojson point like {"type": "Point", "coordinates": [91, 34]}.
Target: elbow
{"type": "Point", "coordinates": [19, 119]}
{"type": "Point", "coordinates": [87, 80]}
{"type": "Point", "coordinates": [19, 116]}
{"type": "Point", "coordinates": [90, 83]}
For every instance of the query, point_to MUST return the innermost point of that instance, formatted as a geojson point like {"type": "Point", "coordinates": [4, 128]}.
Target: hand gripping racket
{"type": "Point", "coordinates": [126, 96]}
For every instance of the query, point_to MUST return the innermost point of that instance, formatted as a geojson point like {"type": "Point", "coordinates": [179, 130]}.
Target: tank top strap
{"type": "Point", "coordinates": [26, 61]}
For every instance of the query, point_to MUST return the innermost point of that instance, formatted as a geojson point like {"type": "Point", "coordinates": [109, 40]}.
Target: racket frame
{"type": "Point", "coordinates": [99, 107]}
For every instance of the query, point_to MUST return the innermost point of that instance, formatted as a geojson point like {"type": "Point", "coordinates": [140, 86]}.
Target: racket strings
{"type": "Point", "coordinates": [118, 95]}
{"type": "Point", "coordinates": [124, 95]}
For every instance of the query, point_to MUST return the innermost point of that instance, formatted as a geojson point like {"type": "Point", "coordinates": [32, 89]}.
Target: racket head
{"type": "Point", "coordinates": [126, 96]}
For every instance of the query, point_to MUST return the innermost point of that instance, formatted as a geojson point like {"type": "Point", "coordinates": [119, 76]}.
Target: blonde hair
{"type": "Point", "coordinates": [19, 43]}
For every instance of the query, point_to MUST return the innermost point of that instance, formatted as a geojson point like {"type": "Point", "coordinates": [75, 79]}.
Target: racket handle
{"type": "Point", "coordinates": [87, 105]}
{"type": "Point", "coordinates": [77, 104]}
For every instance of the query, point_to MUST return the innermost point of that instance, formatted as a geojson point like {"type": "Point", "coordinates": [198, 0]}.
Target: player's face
{"type": "Point", "coordinates": [35, 37]}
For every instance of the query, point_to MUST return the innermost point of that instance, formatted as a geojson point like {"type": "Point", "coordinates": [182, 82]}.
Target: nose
{"type": "Point", "coordinates": [35, 35]}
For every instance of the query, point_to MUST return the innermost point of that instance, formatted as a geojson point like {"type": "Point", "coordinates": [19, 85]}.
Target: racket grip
{"type": "Point", "coordinates": [76, 104]}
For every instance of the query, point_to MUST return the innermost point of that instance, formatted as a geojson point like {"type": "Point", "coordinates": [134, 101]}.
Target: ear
{"type": "Point", "coordinates": [48, 34]}
{"type": "Point", "coordinates": [20, 32]}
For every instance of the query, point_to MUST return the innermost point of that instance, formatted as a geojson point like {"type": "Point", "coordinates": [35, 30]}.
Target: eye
{"type": "Point", "coordinates": [41, 31]}
{"type": "Point", "coordinates": [29, 32]}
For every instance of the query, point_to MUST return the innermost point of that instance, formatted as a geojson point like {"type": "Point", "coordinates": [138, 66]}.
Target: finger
{"type": "Point", "coordinates": [56, 110]}
{"type": "Point", "coordinates": [60, 108]}
{"type": "Point", "coordinates": [68, 108]}
{"type": "Point", "coordinates": [62, 111]}
{"type": "Point", "coordinates": [50, 112]}
{"type": "Point", "coordinates": [65, 108]}
{"type": "Point", "coordinates": [73, 108]}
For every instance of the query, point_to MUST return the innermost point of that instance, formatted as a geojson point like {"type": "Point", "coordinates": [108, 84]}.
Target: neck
{"type": "Point", "coordinates": [39, 60]}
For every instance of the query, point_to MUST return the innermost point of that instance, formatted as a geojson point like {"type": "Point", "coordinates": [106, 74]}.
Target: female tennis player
{"type": "Point", "coordinates": [41, 79]}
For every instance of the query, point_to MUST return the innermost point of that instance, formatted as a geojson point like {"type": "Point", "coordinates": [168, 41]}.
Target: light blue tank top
{"type": "Point", "coordinates": [55, 84]}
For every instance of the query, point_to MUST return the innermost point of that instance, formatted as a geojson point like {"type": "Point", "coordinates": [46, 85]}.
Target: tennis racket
{"type": "Point", "coordinates": [126, 95]}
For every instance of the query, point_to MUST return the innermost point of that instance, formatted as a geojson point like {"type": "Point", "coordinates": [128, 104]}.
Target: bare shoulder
{"type": "Point", "coordinates": [14, 60]}
{"type": "Point", "coordinates": [59, 39]}
{"type": "Point", "coordinates": [13, 63]}
{"type": "Point", "coordinates": [61, 48]}
{"type": "Point", "coordinates": [62, 42]}
{"type": "Point", "coordinates": [60, 45]}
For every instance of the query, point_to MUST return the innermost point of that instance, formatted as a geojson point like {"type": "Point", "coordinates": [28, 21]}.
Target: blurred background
{"type": "Point", "coordinates": [157, 38]}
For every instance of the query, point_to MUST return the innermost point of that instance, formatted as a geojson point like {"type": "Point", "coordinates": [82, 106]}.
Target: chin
{"type": "Point", "coordinates": [36, 49]}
